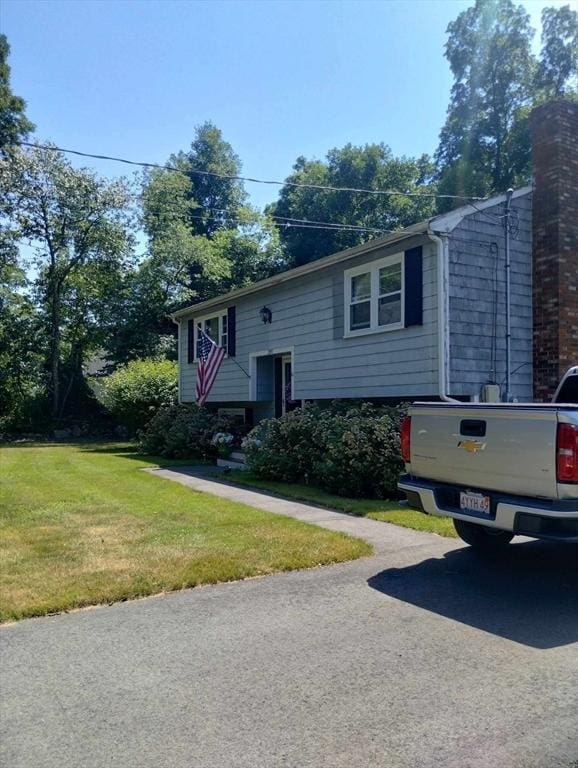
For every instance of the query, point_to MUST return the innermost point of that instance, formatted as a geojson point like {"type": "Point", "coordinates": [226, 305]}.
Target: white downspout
{"type": "Point", "coordinates": [179, 360]}
{"type": "Point", "coordinates": [443, 316]}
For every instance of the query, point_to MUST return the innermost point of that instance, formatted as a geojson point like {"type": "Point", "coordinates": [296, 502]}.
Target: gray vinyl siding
{"type": "Point", "coordinates": [472, 293]}
{"type": "Point", "coordinates": [308, 319]}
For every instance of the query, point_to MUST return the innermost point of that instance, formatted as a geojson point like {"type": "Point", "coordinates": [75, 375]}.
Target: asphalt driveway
{"type": "Point", "coordinates": [420, 656]}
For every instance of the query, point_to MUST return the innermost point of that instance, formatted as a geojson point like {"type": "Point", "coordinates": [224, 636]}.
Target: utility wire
{"type": "Point", "coordinates": [185, 212]}
{"type": "Point", "coordinates": [321, 187]}
{"type": "Point", "coordinates": [280, 221]}
{"type": "Point", "coordinates": [331, 227]}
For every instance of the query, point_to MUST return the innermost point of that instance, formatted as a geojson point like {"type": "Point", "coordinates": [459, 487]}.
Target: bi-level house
{"type": "Point", "coordinates": [417, 314]}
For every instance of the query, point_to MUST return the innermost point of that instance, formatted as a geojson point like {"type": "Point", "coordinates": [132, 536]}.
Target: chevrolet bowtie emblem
{"type": "Point", "coordinates": [472, 446]}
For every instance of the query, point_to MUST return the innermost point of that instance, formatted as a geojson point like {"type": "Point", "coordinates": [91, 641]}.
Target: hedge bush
{"type": "Point", "coordinates": [184, 431]}
{"type": "Point", "coordinates": [136, 391]}
{"type": "Point", "coordinates": [347, 450]}
{"type": "Point", "coordinates": [285, 448]}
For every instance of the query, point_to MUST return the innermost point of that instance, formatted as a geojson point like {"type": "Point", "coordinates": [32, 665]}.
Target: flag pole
{"type": "Point", "coordinates": [248, 375]}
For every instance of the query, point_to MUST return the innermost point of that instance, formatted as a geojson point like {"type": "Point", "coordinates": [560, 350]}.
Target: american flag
{"type": "Point", "coordinates": [210, 359]}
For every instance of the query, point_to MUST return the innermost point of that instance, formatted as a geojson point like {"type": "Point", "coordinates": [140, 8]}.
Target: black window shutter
{"type": "Point", "coordinates": [413, 287]}
{"type": "Point", "coordinates": [231, 332]}
{"type": "Point", "coordinates": [190, 341]}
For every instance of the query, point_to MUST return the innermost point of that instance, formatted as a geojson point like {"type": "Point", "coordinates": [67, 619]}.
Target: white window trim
{"type": "Point", "coordinates": [210, 316]}
{"type": "Point", "coordinates": [373, 268]}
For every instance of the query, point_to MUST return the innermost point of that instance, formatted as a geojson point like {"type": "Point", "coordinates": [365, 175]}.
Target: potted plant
{"type": "Point", "coordinates": [223, 443]}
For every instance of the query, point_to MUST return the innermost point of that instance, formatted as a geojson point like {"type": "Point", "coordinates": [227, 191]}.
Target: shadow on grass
{"type": "Point", "coordinates": [528, 594]}
{"type": "Point", "coordinates": [113, 447]}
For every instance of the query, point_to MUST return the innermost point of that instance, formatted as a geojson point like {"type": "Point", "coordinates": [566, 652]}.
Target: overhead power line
{"type": "Point", "coordinates": [230, 177]}
{"type": "Point", "coordinates": [334, 227]}
{"type": "Point", "coordinates": [212, 214]}
{"type": "Point", "coordinates": [282, 222]}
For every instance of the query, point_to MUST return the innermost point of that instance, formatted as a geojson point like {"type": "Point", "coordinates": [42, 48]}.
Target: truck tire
{"type": "Point", "coordinates": [482, 537]}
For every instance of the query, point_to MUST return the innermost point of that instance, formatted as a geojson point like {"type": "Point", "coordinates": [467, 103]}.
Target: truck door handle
{"type": "Point", "coordinates": [473, 428]}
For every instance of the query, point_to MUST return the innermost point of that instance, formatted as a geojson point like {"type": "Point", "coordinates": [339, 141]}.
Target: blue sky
{"type": "Point", "coordinates": [279, 78]}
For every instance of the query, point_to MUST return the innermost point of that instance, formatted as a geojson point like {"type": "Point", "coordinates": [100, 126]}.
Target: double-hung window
{"type": "Point", "coordinates": [374, 296]}
{"type": "Point", "coordinates": [216, 327]}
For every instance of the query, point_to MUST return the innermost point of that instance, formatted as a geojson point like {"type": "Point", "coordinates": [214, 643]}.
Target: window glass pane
{"type": "Point", "coordinates": [198, 347]}
{"type": "Point", "coordinates": [224, 331]}
{"type": "Point", "coordinates": [359, 315]}
{"type": "Point", "coordinates": [390, 279]}
{"type": "Point", "coordinates": [361, 287]}
{"type": "Point", "coordinates": [389, 310]}
{"type": "Point", "coordinates": [569, 391]}
{"type": "Point", "coordinates": [212, 328]}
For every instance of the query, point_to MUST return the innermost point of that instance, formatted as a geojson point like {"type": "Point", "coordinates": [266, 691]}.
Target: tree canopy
{"type": "Point", "coordinates": [557, 72]}
{"type": "Point", "coordinates": [77, 228]}
{"type": "Point", "coordinates": [213, 202]}
{"type": "Point", "coordinates": [14, 125]}
{"type": "Point", "coordinates": [484, 145]}
{"type": "Point", "coordinates": [373, 167]}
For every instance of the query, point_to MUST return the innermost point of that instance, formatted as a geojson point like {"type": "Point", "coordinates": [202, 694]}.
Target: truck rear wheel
{"type": "Point", "coordinates": [482, 537]}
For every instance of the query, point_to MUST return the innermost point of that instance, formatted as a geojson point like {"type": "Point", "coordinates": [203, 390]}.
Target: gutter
{"type": "Point", "coordinates": [441, 242]}
{"type": "Point", "coordinates": [179, 366]}
{"type": "Point", "coordinates": [388, 241]}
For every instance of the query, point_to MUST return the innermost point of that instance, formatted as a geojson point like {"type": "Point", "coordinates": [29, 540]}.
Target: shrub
{"type": "Point", "coordinates": [136, 391]}
{"type": "Point", "coordinates": [361, 455]}
{"type": "Point", "coordinates": [183, 431]}
{"type": "Point", "coordinates": [285, 448]}
{"type": "Point", "coordinates": [351, 451]}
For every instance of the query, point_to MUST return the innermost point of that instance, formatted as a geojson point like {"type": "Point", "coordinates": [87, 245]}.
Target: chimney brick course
{"type": "Point", "coordinates": [554, 131]}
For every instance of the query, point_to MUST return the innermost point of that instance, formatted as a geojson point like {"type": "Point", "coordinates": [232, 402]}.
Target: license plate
{"type": "Point", "coordinates": [475, 502]}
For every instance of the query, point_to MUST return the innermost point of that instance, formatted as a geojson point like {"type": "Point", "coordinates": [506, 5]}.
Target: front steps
{"type": "Point", "coordinates": [235, 461]}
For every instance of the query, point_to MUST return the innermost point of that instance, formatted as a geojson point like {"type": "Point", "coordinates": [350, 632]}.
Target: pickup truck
{"type": "Point", "coordinates": [498, 469]}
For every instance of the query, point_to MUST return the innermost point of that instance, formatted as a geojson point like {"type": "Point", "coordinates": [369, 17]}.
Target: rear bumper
{"type": "Point", "coordinates": [541, 518]}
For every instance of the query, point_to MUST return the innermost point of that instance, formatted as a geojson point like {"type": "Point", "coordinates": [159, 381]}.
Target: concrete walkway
{"type": "Point", "coordinates": [383, 536]}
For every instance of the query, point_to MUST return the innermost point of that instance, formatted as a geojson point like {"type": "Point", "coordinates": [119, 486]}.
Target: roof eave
{"type": "Point", "coordinates": [443, 224]}
{"type": "Point", "coordinates": [421, 228]}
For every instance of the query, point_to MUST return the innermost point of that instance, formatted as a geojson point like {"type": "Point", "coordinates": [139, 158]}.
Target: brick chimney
{"type": "Point", "coordinates": [554, 131]}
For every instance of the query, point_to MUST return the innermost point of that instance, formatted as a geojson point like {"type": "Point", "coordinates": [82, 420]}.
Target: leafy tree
{"type": "Point", "coordinates": [208, 203]}
{"type": "Point", "coordinates": [220, 199]}
{"type": "Point", "coordinates": [372, 166]}
{"type": "Point", "coordinates": [557, 73]}
{"type": "Point", "coordinates": [14, 125]}
{"type": "Point", "coordinates": [77, 226]}
{"type": "Point", "coordinates": [21, 348]}
{"type": "Point", "coordinates": [203, 240]}
{"type": "Point", "coordinates": [484, 145]}
{"type": "Point", "coordinates": [489, 52]}
{"type": "Point", "coordinates": [181, 269]}
{"type": "Point", "coordinates": [192, 266]}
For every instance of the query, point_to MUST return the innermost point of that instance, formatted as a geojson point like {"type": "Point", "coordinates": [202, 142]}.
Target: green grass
{"type": "Point", "coordinates": [376, 509]}
{"type": "Point", "coordinates": [80, 524]}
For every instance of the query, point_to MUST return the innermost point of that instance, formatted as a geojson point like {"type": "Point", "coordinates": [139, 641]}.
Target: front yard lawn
{"type": "Point", "coordinates": [376, 509]}
{"type": "Point", "coordinates": [80, 524]}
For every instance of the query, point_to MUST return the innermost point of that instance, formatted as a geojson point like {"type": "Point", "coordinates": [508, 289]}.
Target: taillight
{"type": "Point", "coordinates": [567, 454]}
{"type": "Point", "coordinates": [406, 439]}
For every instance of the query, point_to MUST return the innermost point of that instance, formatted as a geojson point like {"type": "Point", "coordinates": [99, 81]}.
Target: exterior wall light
{"type": "Point", "coordinates": [266, 315]}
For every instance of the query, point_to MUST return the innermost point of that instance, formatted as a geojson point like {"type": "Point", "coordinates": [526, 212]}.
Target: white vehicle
{"type": "Point", "coordinates": [497, 469]}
